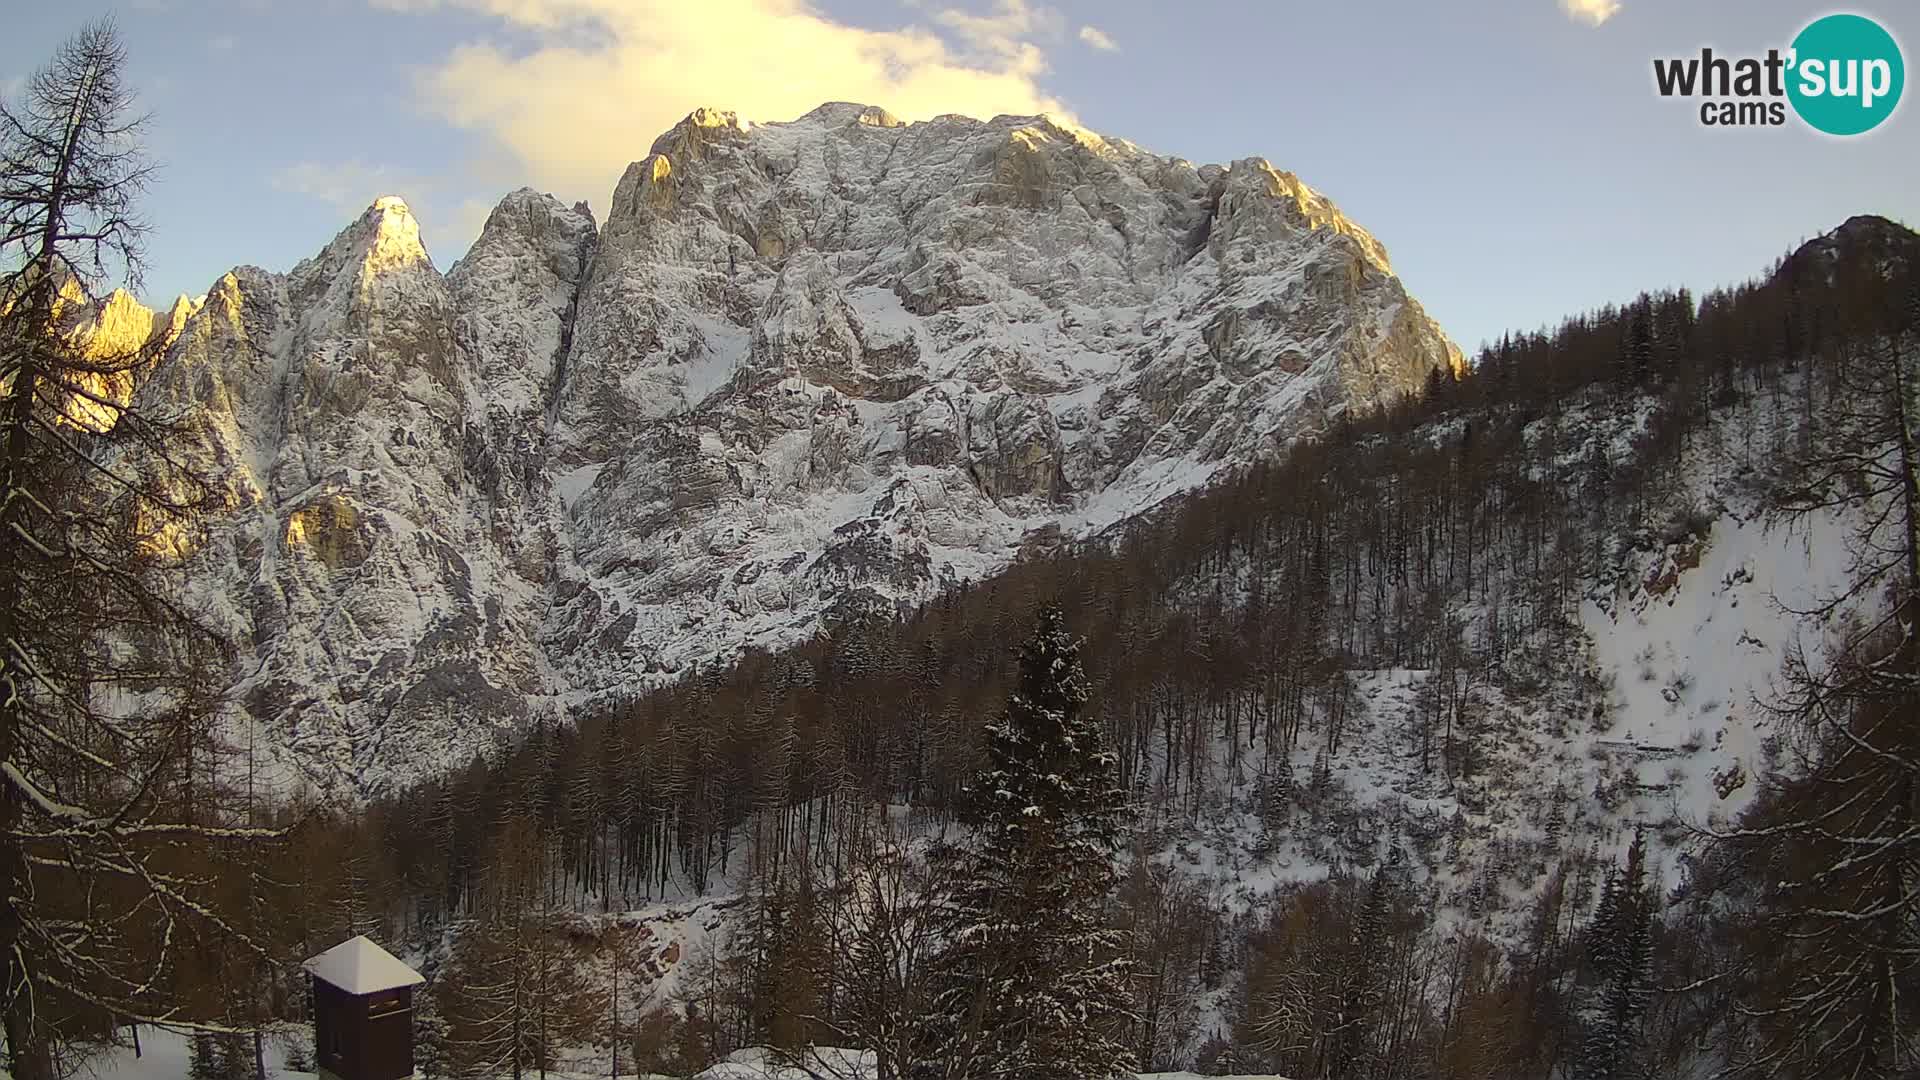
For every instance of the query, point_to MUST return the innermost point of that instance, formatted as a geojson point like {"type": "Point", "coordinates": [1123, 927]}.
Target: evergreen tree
{"type": "Point", "coordinates": [431, 1053]}
{"type": "Point", "coordinates": [1032, 980]}
{"type": "Point", "coordinates": [1556, 825]}
{"type": "Point", "coordinates": [1620, 947]}
{"type": "Point", "coordinates": [202, 1059]}
{"type": "Point", "coordinates": [232, 1056]}
{"type": "Point", "coordinates": [1363, 977]}
{"type": "Point", "coordinates": [1274, 794]}
{"type": "Point", "coordinates": [1322, 780]}
{"type": "Point", "coordinates": [1637, 350]}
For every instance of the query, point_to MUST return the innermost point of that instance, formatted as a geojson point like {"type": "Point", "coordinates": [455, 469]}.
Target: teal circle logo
{"type": "Point", "coordinates": [1846, 74]}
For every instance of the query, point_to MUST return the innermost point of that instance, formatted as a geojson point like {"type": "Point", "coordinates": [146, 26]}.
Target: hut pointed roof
{"type": "Point", "coordinates": [358, 966]}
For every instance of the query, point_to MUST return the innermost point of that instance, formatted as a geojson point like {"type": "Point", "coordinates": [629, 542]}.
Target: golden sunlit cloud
{"type": "Point", "coordinates": [1098, 39]}
{"type": "Point", "coordinates": [1591, 12]}
{"type": "Point", "coordinates": [605, 77]}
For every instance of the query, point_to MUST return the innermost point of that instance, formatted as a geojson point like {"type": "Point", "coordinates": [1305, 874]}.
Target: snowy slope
{"type": "Point", "coordinates": [1655, 714]}
{"type": "Point", "coordinates": [1695, 652]}
{"type": "Point", "coordinates": [805, 369]}
{"type": "Point", "coordinates": [164, 1056]}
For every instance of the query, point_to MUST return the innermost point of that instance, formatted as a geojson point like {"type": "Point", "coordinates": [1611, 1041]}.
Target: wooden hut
{"type": "Point", "coordinates": [362, 1012]}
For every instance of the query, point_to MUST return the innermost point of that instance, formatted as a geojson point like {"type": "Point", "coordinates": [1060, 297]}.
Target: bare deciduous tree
{"type": "Point", "coordinates": [107, 682]}
{"type": "Point", "coordinates": [1834, 843]}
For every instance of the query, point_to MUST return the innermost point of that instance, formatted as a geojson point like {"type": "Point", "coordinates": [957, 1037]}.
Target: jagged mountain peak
{"type": "Point", "coordinates": [704, 117]}
{"type": "Point", "coordinates": [514, 293]}
{"type": "Point", "coordinates": [184, 308]}
{"type": "Point", "coordinates": [394, 239]}
{"type": "Point", "coordinates": [534, 221]}
{"type": "Point", "coordinates": [806, 370]}
{"type": "Point", "coordinates": [123, 337]}
{"type": "Point", "coordinates": [1028, 325]}
{"type": "Point", "coordinates": [383, 240]}
{"type": "Point", "coordinates": [1304, 207]}
{"type": "Point", "coordinates": [525, 209]}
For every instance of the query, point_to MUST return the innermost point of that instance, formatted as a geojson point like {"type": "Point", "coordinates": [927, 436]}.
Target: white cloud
{"type": "Point", "coordinates": [1098, 39]}
{"type": "Point", "coordinates": [1006, 36]}
{"type": "Point", "coordinates": [603, 78]}
{"type": "Point", "coordinates": [222, 42]}
{"type": "Point", "coordinates": [1591, 12]}
{"type": "Point", "coordinates": [349, 186]}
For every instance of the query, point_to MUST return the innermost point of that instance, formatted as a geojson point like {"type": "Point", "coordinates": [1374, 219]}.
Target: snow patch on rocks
{"type": "Point", "coordinates": [805, 371]}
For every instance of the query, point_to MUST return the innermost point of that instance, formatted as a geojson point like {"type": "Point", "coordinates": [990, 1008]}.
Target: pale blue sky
{"type": "Point", "coordinates": [1513, 157]}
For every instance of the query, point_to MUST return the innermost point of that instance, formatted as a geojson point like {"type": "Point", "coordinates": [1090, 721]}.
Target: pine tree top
{"type": "Point", "coordinates": [1046, 761]}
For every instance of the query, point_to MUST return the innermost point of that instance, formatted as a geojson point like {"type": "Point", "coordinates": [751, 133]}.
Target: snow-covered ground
{"type": "Point", "coordinates": [1694, 654]}
{"type": "Point", "coordinates": [164, 1056]}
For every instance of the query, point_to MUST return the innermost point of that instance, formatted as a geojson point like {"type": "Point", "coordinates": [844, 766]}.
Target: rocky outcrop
{"type": "Point", "coordinates": [339, 404]}
{"type": "Point", "coordinates": [124, 338]}
{"type": "Point", "coordinates": [803, 372]}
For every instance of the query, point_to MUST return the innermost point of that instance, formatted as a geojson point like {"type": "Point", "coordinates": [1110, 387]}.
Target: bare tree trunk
{"type": "Point", "coordinates": [29, 1057]}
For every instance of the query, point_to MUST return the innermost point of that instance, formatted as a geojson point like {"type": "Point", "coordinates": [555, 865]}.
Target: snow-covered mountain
{"type": "Point", "coordinates": [804, 369]}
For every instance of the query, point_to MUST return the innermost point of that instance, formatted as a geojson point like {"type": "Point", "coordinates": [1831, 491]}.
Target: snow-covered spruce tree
{"type": "Point", "coordinates": [202, 1063]}
{"type": "Point", "coordinates": [233, 1056]}
{"type": "Point", "coordinates": [1620, 951]}
{"type": "Point", "coordinates": [1031, 981]}
{"type": "Point", "coordinates": [432, 1052]}
{"type": "Point", "coordinates": [107, 685]}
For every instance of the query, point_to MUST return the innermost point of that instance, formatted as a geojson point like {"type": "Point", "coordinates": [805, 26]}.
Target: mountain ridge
{"type": "Point", "coordinates": [803, 371]}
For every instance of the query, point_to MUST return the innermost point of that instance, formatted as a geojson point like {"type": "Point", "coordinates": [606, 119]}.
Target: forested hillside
{"type": "Point", "coordinates": [1435, 759]}
{"type": "Point", "coordinates": [1400, 807]}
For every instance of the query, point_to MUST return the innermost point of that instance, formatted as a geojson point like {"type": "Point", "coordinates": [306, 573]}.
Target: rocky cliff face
{"type": "Point", "coordinates": [804, 370]}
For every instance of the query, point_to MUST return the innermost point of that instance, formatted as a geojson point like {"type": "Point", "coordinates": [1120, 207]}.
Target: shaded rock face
{"type": "Point", "coordinates": [805, 371]}
{"type": "Point", "coordinates": [376, 429]}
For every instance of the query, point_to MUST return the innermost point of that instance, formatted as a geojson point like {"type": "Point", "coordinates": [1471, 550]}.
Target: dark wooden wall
{"type": "Point", "coordinates": [387, 1052]}
{"type": "Point", "coordinates": [375, 1032]}
{"type": "Point", "coordinates": [334, 1021]}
